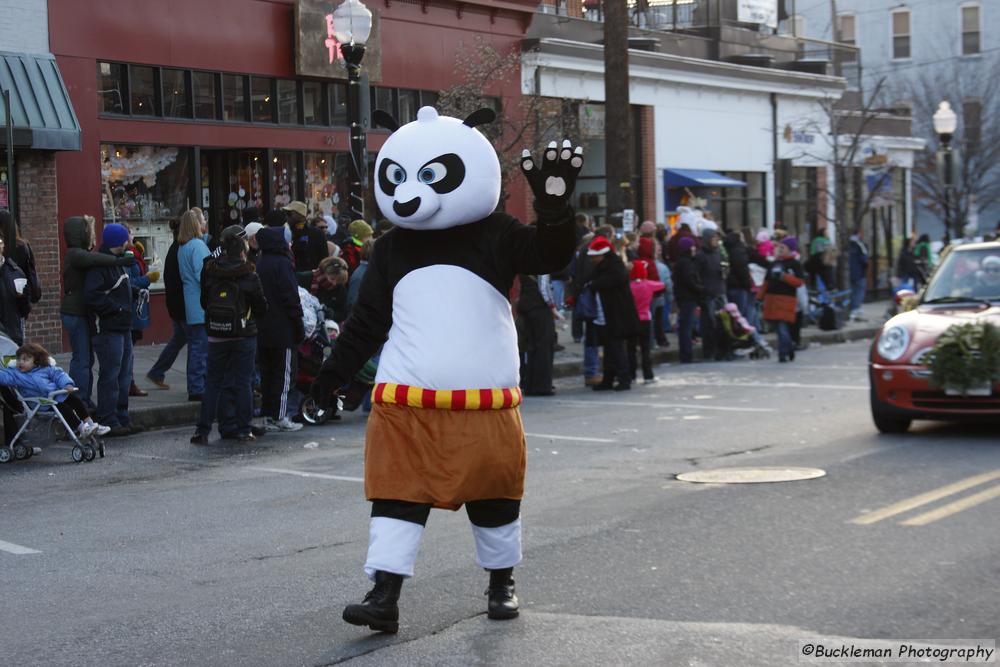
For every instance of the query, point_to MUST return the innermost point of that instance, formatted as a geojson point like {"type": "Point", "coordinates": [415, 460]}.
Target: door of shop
{"type": "Point", "coordinates": [232, 181]}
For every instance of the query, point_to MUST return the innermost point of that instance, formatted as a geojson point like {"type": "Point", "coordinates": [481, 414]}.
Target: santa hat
{"type": "Point", "coordinates": [638, 271]}
{"type": "Point", "coordinates": [599, 246]}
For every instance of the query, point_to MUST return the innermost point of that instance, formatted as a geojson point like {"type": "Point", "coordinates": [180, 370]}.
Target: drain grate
{"type": "Point", "coordinates": [751, 475]}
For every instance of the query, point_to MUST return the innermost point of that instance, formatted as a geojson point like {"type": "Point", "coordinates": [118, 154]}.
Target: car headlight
{"type": "Point", "coordinates": [893, 342]}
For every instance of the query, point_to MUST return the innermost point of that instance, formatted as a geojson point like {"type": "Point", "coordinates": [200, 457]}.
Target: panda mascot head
{"type": "Point", "coordinates": [436, 172]}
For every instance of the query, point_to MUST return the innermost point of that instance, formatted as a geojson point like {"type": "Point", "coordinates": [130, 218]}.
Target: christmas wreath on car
{"type": "Point", "coordinates": [966, 357]}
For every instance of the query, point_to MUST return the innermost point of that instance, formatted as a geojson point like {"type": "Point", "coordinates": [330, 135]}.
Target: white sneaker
{"type": "Point", "coordinates": [102, 429]}
{"type": "Point", "coordinates": [286, 425]}
{"type": "Point", "coordinates": [86, 429]}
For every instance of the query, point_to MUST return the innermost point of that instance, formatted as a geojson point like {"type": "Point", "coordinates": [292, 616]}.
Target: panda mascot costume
{"type": "Point", "coordinates": [445, 429]}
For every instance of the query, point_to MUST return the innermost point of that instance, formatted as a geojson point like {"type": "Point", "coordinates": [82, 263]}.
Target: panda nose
{"type": "Point", "coordinates": [405, 210]}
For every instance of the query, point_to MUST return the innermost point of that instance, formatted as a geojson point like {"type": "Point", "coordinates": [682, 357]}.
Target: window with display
{"type": "Point", "coordinates": [322, 195]}
{"type": "Point", "coordinates": [143, 187]}
{"type": "Point", "coordinates": [284, 178]}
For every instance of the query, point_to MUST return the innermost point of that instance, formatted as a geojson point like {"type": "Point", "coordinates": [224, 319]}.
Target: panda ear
{"type": "Point", "coordinates": [384, 119]}
{"type": "Point", "coordinates": [480, 117]}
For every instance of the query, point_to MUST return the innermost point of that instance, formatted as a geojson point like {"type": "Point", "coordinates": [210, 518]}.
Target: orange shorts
{"type": "Point", "coordinates": [443, 457]}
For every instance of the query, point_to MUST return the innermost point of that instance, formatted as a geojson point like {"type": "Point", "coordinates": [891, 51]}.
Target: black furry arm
{"type": "Point", "coordinates": [542, 248]}
{"type": "Point", "coordinates": [365, 330]}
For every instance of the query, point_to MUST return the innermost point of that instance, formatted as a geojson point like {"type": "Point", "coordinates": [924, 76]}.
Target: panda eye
{"type": "Point", "coordinates": [396, 174]}
{"type": "Point", "coordinates": [390, 175]}
{"type": "Point", "coordinates": [432, 173]}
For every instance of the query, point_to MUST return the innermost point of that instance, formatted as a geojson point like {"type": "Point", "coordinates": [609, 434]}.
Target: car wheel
{"type": "Point", "coordinates": [884, 422]}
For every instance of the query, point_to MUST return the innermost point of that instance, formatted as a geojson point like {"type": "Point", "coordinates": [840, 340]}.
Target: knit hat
{"type": "Point", "coordinates": [638, 271]}
{"type": "Point", "coordinates": [114, 235]}
{"type": "Point", "coordinates": [359, 229]}
{"type": "Point", "coordinates": [791, 243]}
{"type": "Point", "coordinates": [647, 227]}
{"type": "Point", "coordinates": [599, 246]}
{"type": "Point", "coordinates": [685, 244]}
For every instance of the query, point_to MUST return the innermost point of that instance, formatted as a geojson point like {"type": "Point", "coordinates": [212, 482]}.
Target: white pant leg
{"type": "Point", "coordinates": [392, 546]}
{"type": "Point", "coordinates": [500, 547]}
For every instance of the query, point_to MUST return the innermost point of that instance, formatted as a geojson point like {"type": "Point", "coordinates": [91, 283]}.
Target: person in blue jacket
{"type": "Point", "coordinates": [280, 330]}
{"type": "Point", "coordinates": [191, 256]}
{"type": "Point", "coordinates": [110, 297]}
{"type": "Point", "coordinates": [35, 375]}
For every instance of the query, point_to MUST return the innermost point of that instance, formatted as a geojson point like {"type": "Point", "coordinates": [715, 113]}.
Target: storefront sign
{"type": "Point", "coordinates": [628, 220]}
{"type": "Point", "coordinates": [758, 11]}
{"type": "Point", "coordinates": [592, 121]}
{"type": "Point", "coordinates": [317, 52]}
{"type": "Point", "coordinates": [797, 137]}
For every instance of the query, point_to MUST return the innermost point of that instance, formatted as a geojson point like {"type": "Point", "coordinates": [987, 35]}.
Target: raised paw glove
{"type": "Point", "coordinates": [554, 180]}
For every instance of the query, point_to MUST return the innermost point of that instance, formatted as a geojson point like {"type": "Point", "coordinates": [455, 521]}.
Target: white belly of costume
{"type": "Point", "coordinates": [450, 330]}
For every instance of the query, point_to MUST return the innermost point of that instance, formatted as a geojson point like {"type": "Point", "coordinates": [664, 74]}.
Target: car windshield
{"type": "Point", "coordinates": [966, 274]}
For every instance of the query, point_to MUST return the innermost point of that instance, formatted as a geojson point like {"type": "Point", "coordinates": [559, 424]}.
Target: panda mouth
{"type": "Point", "coordinates": [407, 209]}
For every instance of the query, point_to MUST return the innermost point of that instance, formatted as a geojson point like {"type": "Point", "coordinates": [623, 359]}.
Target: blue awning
{"type": "Point", "coordinates": [698, 178]}
{"type": "Point", "coordinates": [41, 111]}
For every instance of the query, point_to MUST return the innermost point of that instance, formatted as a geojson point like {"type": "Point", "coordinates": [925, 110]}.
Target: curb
{"type": "Point", "coordinates": [186, 414]}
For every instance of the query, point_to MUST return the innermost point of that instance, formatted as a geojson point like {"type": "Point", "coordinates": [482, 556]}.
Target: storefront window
{"type": "Point", "coordinates": [111, 86]}
{"type": "Point", "coordinates": [338, 103]}
{"type": "Point", "coordinates": [4, 188]}
{"type": "Point", "coordinates": [204, 95]}
{"type": "Point", "coordinates": [409, 102]}
{"type": "Point", "coordinates": [234, 99]}
{"type": "Point", "coordinates": [312, 103]}
{"type": "Point", "coordinates": [382, 99]}
{"type": "Point", "coordinates": [175, 94]}
{"type": "Point", "coordinates": [284, 178]}
{"type": "Point", "coordinates": [322, 196]}
{"type": "Point", "coordinates": [144, 187]}
{"type": "Point", "coordinates": [288, 102]}
{"type": "Point", "coordinates": [428, 98]}
{"type": "Point", "coordinates": [261, 100]}
{"type": "Point", "coordinates": [142, 87]}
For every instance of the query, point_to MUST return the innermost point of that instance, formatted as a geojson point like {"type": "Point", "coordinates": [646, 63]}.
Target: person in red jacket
{"type": "Point", "coordinates": [643, 291]}
{"type": "Point", "coordinates": [779, 294]}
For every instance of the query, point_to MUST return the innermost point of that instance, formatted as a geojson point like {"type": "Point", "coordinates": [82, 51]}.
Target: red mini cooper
{"type": "Point", "coordinates": [964, 288]}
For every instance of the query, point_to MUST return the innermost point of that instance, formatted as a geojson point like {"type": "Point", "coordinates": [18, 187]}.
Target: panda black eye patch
{"type": "Point", "coordinates": [390, 175]}
{"type": "Point", "coordinates": [442, 174]}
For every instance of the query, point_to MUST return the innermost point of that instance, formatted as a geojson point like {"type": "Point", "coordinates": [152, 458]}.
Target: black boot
{"type": "Point", "coordinates": [379, 610]}
{"type": "Point", "coordinates": [502, 601]}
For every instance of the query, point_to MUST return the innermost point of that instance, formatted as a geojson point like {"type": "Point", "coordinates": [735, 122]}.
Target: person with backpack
{"type": "Point", "coordinates": [280, 330]}
{"type": "Point", "coordinates": [233, 298]}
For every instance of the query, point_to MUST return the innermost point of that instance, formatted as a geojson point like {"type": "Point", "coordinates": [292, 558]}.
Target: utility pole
{"type": "Point", "coordinates": [617, 112]}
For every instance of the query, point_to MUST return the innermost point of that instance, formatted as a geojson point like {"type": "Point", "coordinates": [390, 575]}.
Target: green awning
{"type": "Point", "coordinates": [41, 110]}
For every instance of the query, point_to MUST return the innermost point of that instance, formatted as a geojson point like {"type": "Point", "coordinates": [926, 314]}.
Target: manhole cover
{"type": "Point", "coordinates": [750, 475]}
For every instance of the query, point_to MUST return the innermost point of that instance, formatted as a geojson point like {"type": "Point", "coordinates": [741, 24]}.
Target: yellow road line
{"type": "Point", "coordinates": [953, 508]}
{"type": "Point", "coordinates": [924, 498]}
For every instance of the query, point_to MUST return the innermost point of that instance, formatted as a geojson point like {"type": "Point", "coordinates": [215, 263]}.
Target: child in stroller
{"type": "Point", "coordinates": [37, 383]}
{"type": "Point", "coordinates": [312, 353]}
{"type": "Point", "coordinates": [738, 334]}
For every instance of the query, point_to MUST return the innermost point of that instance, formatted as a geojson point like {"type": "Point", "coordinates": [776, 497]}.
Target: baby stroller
{"type": "Point", "coordinates": [312, 353]}
{"type": "Point", "coordinates": [85, 448]}
{"type": "Point", "coordinates": [739, 335]}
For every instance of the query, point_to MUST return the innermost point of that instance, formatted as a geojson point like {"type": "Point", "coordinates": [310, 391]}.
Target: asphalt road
{"type": "Point", "coordinates": [167, 554]}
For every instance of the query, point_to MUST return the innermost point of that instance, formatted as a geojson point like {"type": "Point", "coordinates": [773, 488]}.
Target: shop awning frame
{"type": "Point", "coordinates": [41, 110]}
{"type": "Point", "coordinates": [698, 178]}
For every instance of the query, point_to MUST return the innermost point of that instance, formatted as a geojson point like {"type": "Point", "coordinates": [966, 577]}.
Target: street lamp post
{"type": "Point", "coordinates": [352, 25]}
{"type": "Point", "coordinates": [945, 123]}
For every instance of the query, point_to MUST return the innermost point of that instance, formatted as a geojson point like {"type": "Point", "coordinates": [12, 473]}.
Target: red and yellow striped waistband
{"type": "Point", "coordinates": [388, 393]}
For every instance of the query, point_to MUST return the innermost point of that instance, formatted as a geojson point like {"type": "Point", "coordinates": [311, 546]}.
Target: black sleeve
{"type": "Point", "coordinates": [367, 327]}
{"type": "Point", "coordinates": [542, 248]}
{"type": "Point", "coordinates": [608, 278]}
{"type": "Point", "coordinates": [256, 301]}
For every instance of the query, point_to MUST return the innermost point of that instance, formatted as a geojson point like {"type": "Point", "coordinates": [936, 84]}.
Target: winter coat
{"type": "Point", "coordinates": [642, 294]}
{"type": "Point", "coordinates": [610, 281]}
{"type": "Point", "coordinates": [350, 252]}
{"type": "Point", "coordinates": [78, 259]}
{"type": "Point", "coordinates": [110, 297]}
{"type": "Point", "coordinates": [739, 264]}
{"type": "Point", "coordinates": [13, 307]}
{"type": "Point", "coordinates": [907, 267]}
{"type": "Point", "coordinates": [140, 281]}
{"type": "Point", "coordinates": [39, 381]}
{"type": "Point", "coordinates": [857, 256]}
{"type": "Point", "coordinates": [191, 258]}
{"type": "Point", "coordinates": [713, 279]}
{"type": "Point", "coordinates": [173, 285]}
{"type": "Point", "coordinates": [530, 296]}
{"type": "Point", "coordinates": [687, 280]}
{"type": "Point", "coordinates": [779, 290]}
{"type": "Point", "coordinates": [308, 247]}
{"type": "Point", "coordinates": [354, 284]}
{"type": "Point", "coordinates": [252, 301]}
{"type": "Point", "coordinates": [281, 326]}
{"type": "Point", "coordinates": [673, 247]}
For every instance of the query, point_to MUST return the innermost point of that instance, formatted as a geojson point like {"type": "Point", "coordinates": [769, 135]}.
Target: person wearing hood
{"type": "Point", "coordinates": [688, 292]}
{"type": "Point", "coordinates": [779, 294]}
{"type": "Point", "coordinates": [617, 319]}
{"type": "Point", "coordinates": [713, 281]}
{"type": "Point", "coordinates": [738, 282]}
{"type": "Point", "coordinates": [233, 299]}
{"type": "Point", "coordinates": [110, 295]}
{"type": "Point", "coordinates": [280, 330]}
{"type": "Point", "coordinates": [78, 232]}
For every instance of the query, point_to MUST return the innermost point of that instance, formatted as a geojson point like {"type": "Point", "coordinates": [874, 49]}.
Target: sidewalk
{"type": "Point", "coordinates": [166, 408]}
